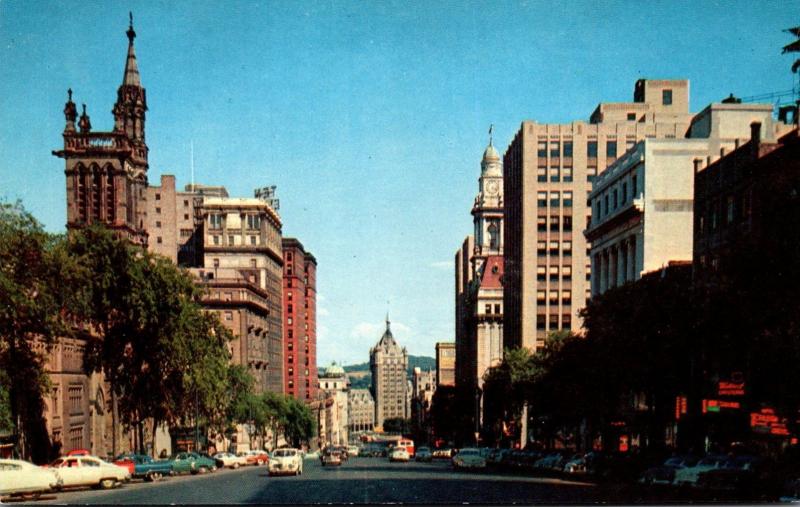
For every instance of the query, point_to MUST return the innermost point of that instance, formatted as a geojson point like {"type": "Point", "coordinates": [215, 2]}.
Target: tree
{"type": "Point", "coordinates": [39, 293]}
{"type": "Point", "coordinates": [300, 422]}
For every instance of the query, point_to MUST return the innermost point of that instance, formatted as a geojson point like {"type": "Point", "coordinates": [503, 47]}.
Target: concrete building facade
{"type": "Point", "coordinates": [445, 364]}
{"type": "Point", "coordinates": [334, 387]}
{"type": "Point", "coordinates": [548, 173]}
{"type": "Point", "coordinates": [642, 205]}
{"type": "Point", "coordinates": [388, 364]}
{"type": "Point", "coordinates": [300, 321]}
{"type": "Point", "coordinates": [361, 411]}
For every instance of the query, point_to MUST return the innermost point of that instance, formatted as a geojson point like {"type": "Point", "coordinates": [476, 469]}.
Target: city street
{"type": "Point", "coordinates": [361, 480]}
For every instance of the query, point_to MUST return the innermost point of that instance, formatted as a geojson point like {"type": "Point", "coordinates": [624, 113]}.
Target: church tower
{"type": "Point", "coordinates": [106, 172]}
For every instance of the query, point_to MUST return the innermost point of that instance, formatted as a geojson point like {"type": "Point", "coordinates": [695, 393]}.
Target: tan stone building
{"type": "Point", "coordinates": [360, 411]}
{"type": "Point", "coordinates": [549, 170]}
{"type": "Point", "coordinates": [445, 364]}
{"type": "Point", "coordinates": [334, 387]}
{"type": "Point", "coordinates": [388, 363]}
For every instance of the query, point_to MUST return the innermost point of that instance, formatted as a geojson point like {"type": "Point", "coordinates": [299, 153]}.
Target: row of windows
{"type": "Point", "coordinates": [615, 197]}
{"type": "Point", "coordinates": [556, 175]}
{"type": "Point", "coordinates": [556, 223]}
{"type": "Point", "coordinates": [488, 309]}
{"type": "Point", "coordinates": [554, 247]}
{"type": "Point", "coordinates": [215, 220]}
{"type": "Point", "coordinates": [566, 297]}
{"type": "Point", "coordinates": [555, 199]}
{"type": "Point", "coordinates": [555, 149]}
{"type": "Point", "coordinates": [564, 271]}
{"type": "Point", "coordinates": [217, 240]}
{"type": "Point", "coordinates": [566, 321]}
{"type": "Point", "coordinates": [736, 208]}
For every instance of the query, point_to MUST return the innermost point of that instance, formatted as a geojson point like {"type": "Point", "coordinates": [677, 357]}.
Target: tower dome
{"type": "Point", "coordinates": [491, 155]}
{"type": "Point", "coordinates": [334, 370]}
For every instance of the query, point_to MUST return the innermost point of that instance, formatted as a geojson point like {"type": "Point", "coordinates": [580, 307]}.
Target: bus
{"type": "Point", "coordinates": [406, 444]}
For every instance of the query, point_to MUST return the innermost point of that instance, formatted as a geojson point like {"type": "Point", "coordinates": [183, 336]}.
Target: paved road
{"type": "Point", "coordinates": [361, 480]}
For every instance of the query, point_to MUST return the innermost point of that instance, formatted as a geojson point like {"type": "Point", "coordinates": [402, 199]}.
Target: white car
{"type": "Point", "coordinates": [89, 471]}
{"type": "Point", "coordinates": [352, 451]}
{"type": "Point", "coordinates": [19, 477]}
{"type": "Point", "coordinates": [285, 461]}
{"type": "Point", "coordinates": [469, 458]}
{"type": "Point", "coordinates": [229, 459]}
{"type": "Point", "coordinates": [399, 454]}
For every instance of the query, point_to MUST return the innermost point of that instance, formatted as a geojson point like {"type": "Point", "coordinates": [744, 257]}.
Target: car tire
{"type": "Point", "coordinates": [203, 469]}
{"type": "Point", "coordinates": [107, 483]}
{"type": "Point", "coordinates": [259, 462]}
{"type": "Point", "coordinates": [235, 466]}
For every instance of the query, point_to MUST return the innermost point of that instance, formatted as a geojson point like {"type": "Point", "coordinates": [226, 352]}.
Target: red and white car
{"type": "Point", "coordinates": [255, 457]}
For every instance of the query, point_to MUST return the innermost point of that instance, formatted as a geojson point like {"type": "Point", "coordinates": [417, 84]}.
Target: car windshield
{"type": "Point", "coordinates": [284, 453]}
{"type": "Point", "coordinates": [469, 452]}
{"type": "Point", "coordinates": [423, 449]}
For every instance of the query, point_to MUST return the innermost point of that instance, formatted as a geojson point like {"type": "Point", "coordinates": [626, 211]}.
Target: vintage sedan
{"type": "Point", "coordinates": [424, 454]}
{"type": "Point", "coordinates": [255, 457]}
{"type": "Point", "coordinates": [469, 459]}
{"type": "Point", "coordinates": [331, 458]}
{"type": "Point", "coordinates": [228, 459]}
{"type": "Point", "coordinates": [77, 471]}
{"type": "Point", "coordinates": [285, 461]}
{"type": "Point", "coordinates": [19, 477]}
{"type": "Point", "coordinates": [145, 467]}
{"type": "Point", "coordinates": [192, 462]}
{"type": "Point", "coordinates": [688, 476]}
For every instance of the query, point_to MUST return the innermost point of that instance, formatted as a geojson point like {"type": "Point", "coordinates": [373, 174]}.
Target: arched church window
{"type": "Point", "coordinates": [494, 236]}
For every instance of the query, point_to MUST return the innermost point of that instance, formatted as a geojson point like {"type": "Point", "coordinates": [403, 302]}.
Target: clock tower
{"type": "Point", "coordinates": [487, 210]}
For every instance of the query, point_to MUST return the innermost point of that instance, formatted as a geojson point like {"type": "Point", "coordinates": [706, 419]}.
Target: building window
{"type": "Point", "coordinates": [290, 359]}
{"type": "Point", "coordinates": [186, 216]}
{"type": "Point", "coordinates": [216, 263]}
{"type": "Point", "coordinates": [185, 203]}
{"type": "Point", "coordinates": [566, 321]}
{"type": "Point", "coordinates": [289, 308]}
{"type": "Point", "coordinates": [497, 309]}
{"type": "Point", "coordinates": [624, 192]}
{"type": "Point", "coordinates": [541, 322]}
{"type": "Point", "coordinates": [289, 295]}
{"type": "Point", "coordinates": [540, 296]}
{"type": "Point", "coordinates": [541, 248]}
{"type": "Point", "coordinates": [566, 297]}
{"type": "Point", "coordinates": [605, 204]}
{"type": "Point", "coordinates": [633, 187]}
{"type": "Point", "coordinates": [566, 272]}
{"type": "Point", "coordinates": [553, 321]}
{"type": "Point", "coordinates": [611, 148]}
{"type": "Point", "coordinates": [289, 321]}
{"type": "Point", "coordinates": [614, 198]}
{"type": "Point", "coordinates": [253, 222]}
{"type": "Point", "coordinates": [555, 199]}
{"type": "Point", "coordinates": [591, 149]}
{"type": "Point", "coordinates": [591, 174]}
{"type": "Point", "coordinates": [555, 149]}
{"type": "Point", "coordinates": [215, 221]}
{"type": "Point", "coordinates": [567, 247]}
{"type": "Point", "coordinates": [567, 149]}
{"type": "Point", "coordinates": [488, 309]}
{"type": "Point", "coordinates": [631, 116]}
{"type": "Point", "coordinates": [216, 240]}
{"type": "Point", "coordinates": [567, 223]}
{"type": "Point", "coordinates": [554, 223]}
{"type": "Point", "coordinates": [541, 149]}
{"type": "Point", "coordinates": [566, 174]}
{"type": "Point", "coordinates": [666, 97]}
{"type": "Point", "coordinates": [553, 273]}
{"type": "Point", "coordinates": [554, 177]}
{"type": "Point", "coordinates": [228, 315]}
{"type": "Point", "coordinates": [554, 248]}
{"type": "Point", "coordinates": [568, 199]}
{"type": "Point", "coordinates": [291, 334]}
{"type": "Point", "coordinates": [231, 240]}
{"type": "Point", "coordinates": [158, 211]}
{"type": "Point", "coordinates": [290, 345]}
{"type": "Point", "coordinates": [253, 240]}
{"type": "Point", "coordinates": [541, 174]}
{"type": "Point", "coordinates": [541, 199]}
{"type": "Point", "coordinates": [158, 224]}
{"type": "Point", "coordinates": [541, 224]}
{"type": "Point", "coordinates": [729, 209]}
{"type": "Point", "coordinates": [158, 198]}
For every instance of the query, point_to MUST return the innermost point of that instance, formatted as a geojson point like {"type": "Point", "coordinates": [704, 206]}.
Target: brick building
{"type": "Point", "coordinates": [300, 321]}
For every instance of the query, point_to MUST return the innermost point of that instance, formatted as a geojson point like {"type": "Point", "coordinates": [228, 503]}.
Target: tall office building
{"type": "Point", "coordinates": [549, 170]}
{"type": "Point", "coordinates": [445, 364]}
{"type": "Point", "coordinates": [388, 363]}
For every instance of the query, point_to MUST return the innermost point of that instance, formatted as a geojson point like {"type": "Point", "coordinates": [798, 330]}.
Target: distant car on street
{"type": "Point", "coordinates": [469, 458]}
{"type": "Point", "coordinates": [442, 453]}
{"type": "Point", "coordinates": [424, 454]}
{"type": "Point", "coordinates": [19, 478]}
{"type": "Point", "coordinates": [665, 474]}
{"type": "Point", "coordinates": [192, 462]}
{"type": "Point", "coordinates": [399, 454]}
{"type": "Point", "coordinates": [145, 467]}
{"type": "Point", "coordinates": [352, 450]}
{"type": "Point", "coordinates": [285, 461]}
{"type": "Point", "coordinates": [228, 459]}
{"type": "Point", "coordinates": [331, 457]}
{"type": "Point", "coordinates": [688, 476]}
{"type": "Point", "coordinates": [255, 457]}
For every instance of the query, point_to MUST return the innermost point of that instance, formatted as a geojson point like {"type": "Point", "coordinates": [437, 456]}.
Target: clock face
{"type": "Point", "coordinates": [492, 187]}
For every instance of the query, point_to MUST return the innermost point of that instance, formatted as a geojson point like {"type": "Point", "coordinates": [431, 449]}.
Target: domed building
{"type": "Point", "coordinates": [334, 386]}
{"type": "Point", "coordinates": [388, 363]}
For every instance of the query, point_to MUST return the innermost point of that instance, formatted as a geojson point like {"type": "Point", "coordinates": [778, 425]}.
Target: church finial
{"type": "Point", "coordinates": [491, 128]}
{"type": "Point", "coordinates": [131, 33]}
{"type": "Point", "coordinates": [387, 321]}
{"type": "Point", "coordinates": [70, 113]}
{"type": "Point", "coordinates": [84, 123]}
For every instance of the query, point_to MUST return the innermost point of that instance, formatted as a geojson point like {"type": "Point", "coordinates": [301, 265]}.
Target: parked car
{"type": "Point", "coordinates": [255, 457]}
{"type": "Point", "coordinates": [469, 458]}
{"type": "Point", "coordinates": [352, 450]}
{"type": "Point", "coordinates": [124, 460]}
{"type": "Point", "coordinates": [79, 452]}
{"type": "Point", "coordinates": [228, 459]}
{"type": "Point", "coordinates": [444, 453]}
{"type": "Point", "coordinates": [145, 467]}
{"type": "Point", "coordinates": [285, 461]}
{"type": "Point", "coordinates": [740, 474]}
{"type": "Point", "coordinates": [399, 454]}
{"type": "Point", "coordinates": [192, 462]}
{"type": "Point", "coordinates": [19, 478]}
{"type": "Point", "coordinates": [688, 476]}
{"type": "Point", "coordinates": [575, 465]}
{"type": "Point", "coordinates": [424, 454]}
{"type": "Point", "coordinates": [89, 471]}
{"type": "Point", "coordinates": [343, 454]}
{"type": "Point", "coordinates": [665, 474]}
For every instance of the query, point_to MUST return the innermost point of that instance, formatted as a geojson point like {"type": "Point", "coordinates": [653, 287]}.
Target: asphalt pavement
{"type": "Point", "coordinates": [357, 481]}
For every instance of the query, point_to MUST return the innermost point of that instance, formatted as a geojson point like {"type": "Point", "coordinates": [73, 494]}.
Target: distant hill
{"type": "Point", "coordinates": [361, 377]}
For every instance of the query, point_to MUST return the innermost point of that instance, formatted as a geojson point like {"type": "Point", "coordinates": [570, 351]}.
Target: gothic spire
{"type": "Point", "coordinates": [131, 76]}
{"type": "Point", "coordinates": [70, 113]}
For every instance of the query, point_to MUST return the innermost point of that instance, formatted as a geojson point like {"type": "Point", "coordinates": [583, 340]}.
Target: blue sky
{"type": "Point", "coordinates": [370, 117]}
